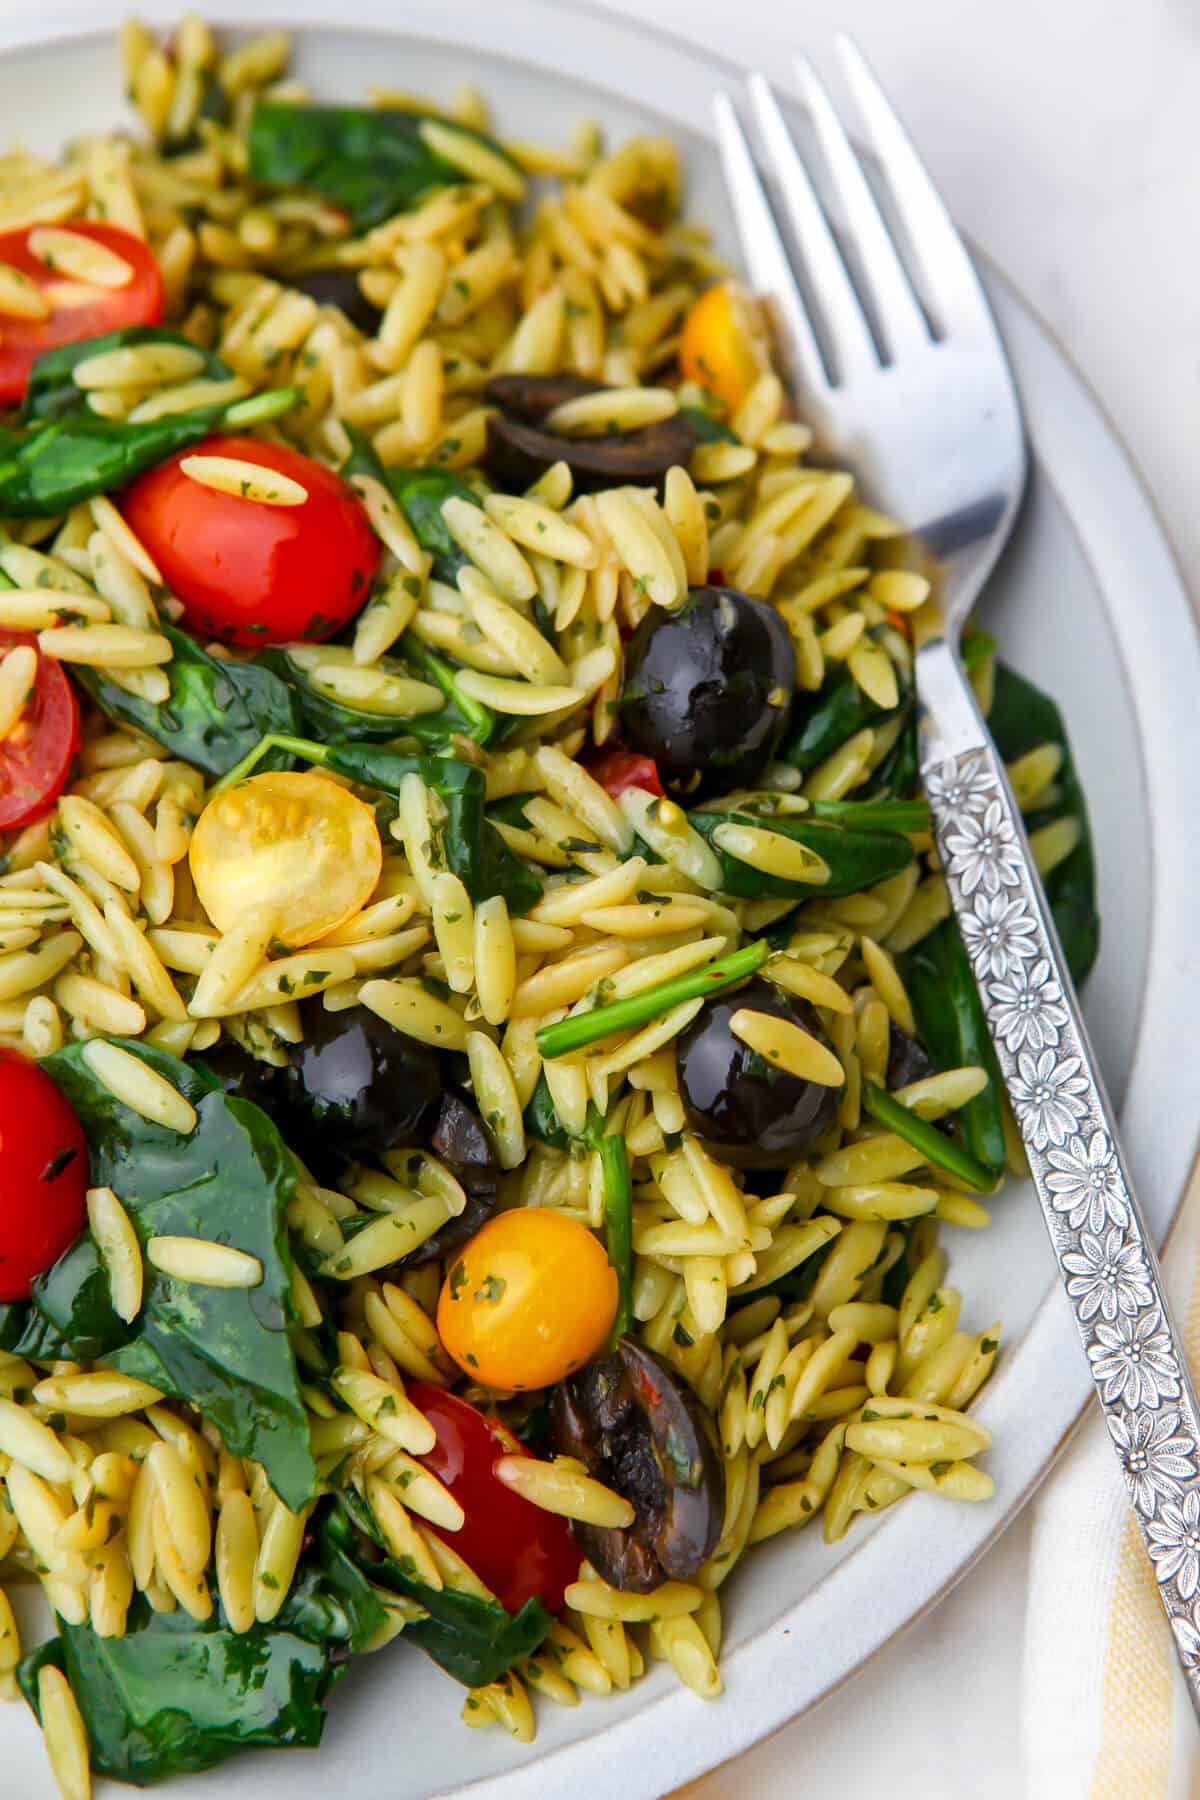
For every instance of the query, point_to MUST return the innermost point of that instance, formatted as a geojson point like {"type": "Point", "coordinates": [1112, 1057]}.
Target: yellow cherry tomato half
{"type": "Point", "coordinates": [298, 841]}
{"type": "Point", "coordinates": [530, 1298]}
{"type": "Point", "coordinates": [723, 346]}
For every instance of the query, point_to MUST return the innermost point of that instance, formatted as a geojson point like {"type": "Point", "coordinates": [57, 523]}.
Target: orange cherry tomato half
{"type": "Point", "coordinates": [247, 571]}
{"type": "Point", "coordinates": [36, 755]}
{"type": "Point", "coordinates": [723, 346]}
{"type": "Point", "coordinates": [43, 1174]}
{"type": "Point", "coordinates": [517, 1549]}
{"type": "Point", "coordinates": [528, 1299]}
{"type": "Point", "coordinates": [77, 308]}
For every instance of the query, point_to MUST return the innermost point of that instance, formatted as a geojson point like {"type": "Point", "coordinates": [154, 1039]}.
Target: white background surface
{"type": "Point", "coordinates": [1063, 135]}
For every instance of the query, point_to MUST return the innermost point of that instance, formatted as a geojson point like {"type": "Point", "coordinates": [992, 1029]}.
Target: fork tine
{"type": "Point", "coordinates": [767, 261]}
{"type": "Point", "coordinates": [903, 322]}
{"type": "Point", "coordinates": [953, 284]}
{"type": "Point", "coordinates": [849, 332]}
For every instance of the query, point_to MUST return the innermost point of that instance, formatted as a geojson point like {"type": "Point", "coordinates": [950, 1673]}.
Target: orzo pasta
{"type": "Point", "coordinates": [486, 1068]}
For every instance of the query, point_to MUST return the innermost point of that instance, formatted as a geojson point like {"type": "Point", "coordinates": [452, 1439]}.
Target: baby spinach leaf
{"type": "Point", "coordinates": [461, 715]}
{"type": "Point", "coordinates": [370, 161]}
{"type": "Point", "coordinates": [541, 1121]}
{"type": "Point", "coordinates": [474, 849]}
{"type": "Point", "coordinates": [329, 719]}
{"type": "Point", "coordinates": [73, 1314]}
{"type": "Point", "coordinates": [707, 428]}
{"type": "Point", "coordinates": [174, 1696]}
{"type": "Point", "coordinates": [1021, 719]}
{"type": "Point", "coordinates": [217, 710]}
{"type": "Point", "coordinates": [421, 494]}
{"type": "Point", "coordinates": [52, 392]}
{"type": "Point", "coordinates": [856, 858]}
{"type": "Point", "coordinates": [951, 1025]}
{"type": "Point", "coordinates": [618, 1228]}
{"type": "Point", "coordinates": [50, 467]}
{"type": "Point", "coordinates": [898, 775]}
{"type": "Point", "coordinates": [474, 1640]}
{"type": "Point", "coordinates": [225, 1350]}
{"type": "Point", "coordinates": [214, 105]}
{"type": "Point", "coordinates": [822, 722]}
{"type": "Point", "coordinates": [62, 453]}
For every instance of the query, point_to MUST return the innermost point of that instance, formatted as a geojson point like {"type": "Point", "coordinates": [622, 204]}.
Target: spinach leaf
{"type": "Point", "coordinates": [898, 776]}
{"type": "Point", "coordinates": [214, 105]}
{"type": "Point", "coordinates": [329, 719]}
{"type": "Point", "coordinates": [474, 1640]}
{"type": "Point", "coordinates": [797, 1284]}
{"type": "Point", "coordinates": [856, 858]}
{"type": "Point", "coordinates": [421, 494]}
{"type": "Point", "coordinates": [618, 1227]}
{"type": "Point", "coordinates": [897, 1277]}
{"type": "Point", "coordinates": [48, 468]}
{"type": "Point", "coordinates": [52, 392]}
{"type": "Point", "coordinates": [225, 1350]}
{"type": "Point", "coordinates": [822, 722]}
{"type": "Point", "coordinates": [217, 710]}
{"type": "Point", "coordinates": [707, 428]}
{"type": "Point", "coordinates": [1022, 717]}
{"type": "Point", "coordinates": [370, 161]}
{"type": "Point", "coordinates": [72, 1312]}
{"type": "Point", "coordinates": [174, 1696]}
{"type": "Point", "coordinates": [461, 715]}
{"type": "Point", "coordinates": [541, 1121]}
{"type": "Point", "coordinates": [951, 1025]}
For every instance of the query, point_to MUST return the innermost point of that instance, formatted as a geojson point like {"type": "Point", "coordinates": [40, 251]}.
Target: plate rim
{"type": "Point", "coordinates": [664, 1743]}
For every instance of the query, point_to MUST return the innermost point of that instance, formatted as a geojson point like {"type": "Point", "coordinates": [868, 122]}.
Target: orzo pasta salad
{"type": "Point", "coordinates": [488, 1077]}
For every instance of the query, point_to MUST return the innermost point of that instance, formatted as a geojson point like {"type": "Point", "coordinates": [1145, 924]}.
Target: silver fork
{"type": "Point", "coordinates": [932, 424]}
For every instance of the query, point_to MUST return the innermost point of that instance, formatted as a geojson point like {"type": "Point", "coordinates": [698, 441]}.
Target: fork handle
{"type": "Point", "coordinates": [1104, 1253]}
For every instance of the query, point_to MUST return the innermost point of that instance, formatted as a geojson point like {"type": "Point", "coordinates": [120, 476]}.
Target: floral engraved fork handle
{"type": "Point", "coordinates": [1105, 1257]}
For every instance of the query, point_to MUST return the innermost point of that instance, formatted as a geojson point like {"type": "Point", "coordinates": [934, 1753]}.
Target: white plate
{"type": "Point", "coordinates": [1090, 603]}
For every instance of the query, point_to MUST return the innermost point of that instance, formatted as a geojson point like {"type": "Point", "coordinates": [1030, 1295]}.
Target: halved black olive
{"type": "Point", "coordinates": [519, 451]}
{"type": "Point", "coordinates": [908, 1059]}
{"type": "Point", "coordinates": [708, 690]}
{"type": "Point", "coordinates": [243, 1076]}
{"type": "Point", "coordinates": [461, 1141]}
{"type": "Point", "coordinates": [339, 287]}
{"type": "Point", "coordinates": [747, 1111]}
{"type": "Point", "coordinates": [357, 1086]}
{"type": "Point", "coordinates": [531, 398]}
{"type": "Point", "coordinates": [639, 1428]}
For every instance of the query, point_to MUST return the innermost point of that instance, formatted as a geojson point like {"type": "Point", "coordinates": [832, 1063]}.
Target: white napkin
{"type": "Point", "coordinates": [1105, 1714]}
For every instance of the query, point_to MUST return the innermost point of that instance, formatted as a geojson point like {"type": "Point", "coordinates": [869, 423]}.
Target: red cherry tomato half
{"type": "Point", "coordinates": [78, 308]}
{"type": "Point", "coordinates": [617, 770]}
{"type": "Point", "coordinates": [248, 571]}
{"type": "Point", "coordinates": [517, 1549]}
{"type": "Point", "coordinates": [43, 1174]}
{"type": "Point", "coordinates": [36, 755]}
